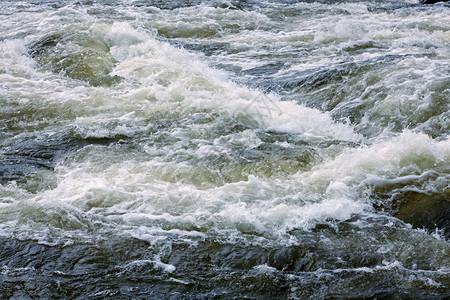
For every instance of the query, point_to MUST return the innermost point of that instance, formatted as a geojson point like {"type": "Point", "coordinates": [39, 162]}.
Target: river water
{"type": "Point", "coordinates": [224, 149]}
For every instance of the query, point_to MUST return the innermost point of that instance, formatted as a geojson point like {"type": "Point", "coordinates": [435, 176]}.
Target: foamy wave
{"type": "Point", "coordinates": [389, 158]}
{"type": "Point", "coordinates": [173, 75]}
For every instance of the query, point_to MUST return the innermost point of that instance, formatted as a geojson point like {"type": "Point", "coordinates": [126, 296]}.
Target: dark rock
{"type": "Point", "coordinates": [426, 211]}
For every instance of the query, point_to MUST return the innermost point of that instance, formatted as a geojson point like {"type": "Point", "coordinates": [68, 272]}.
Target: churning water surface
{"type": "Point", "coordinates": [224, 149]}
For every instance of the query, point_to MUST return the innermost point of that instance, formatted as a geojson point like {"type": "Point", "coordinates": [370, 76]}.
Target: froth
{"type": "Point", "coordinates": [174, 75]}
{"type": "Point", "coordinates": [157, 189]}
{"type": "Point", "coordinates": [409, 151]}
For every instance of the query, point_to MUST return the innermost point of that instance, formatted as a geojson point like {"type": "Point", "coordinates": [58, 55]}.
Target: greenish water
{"type": "Point", "coordinates": [224, 150]}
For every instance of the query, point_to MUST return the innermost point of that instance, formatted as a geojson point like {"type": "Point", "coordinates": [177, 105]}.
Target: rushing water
{"type": "Point", "coordinates": [224, 149]}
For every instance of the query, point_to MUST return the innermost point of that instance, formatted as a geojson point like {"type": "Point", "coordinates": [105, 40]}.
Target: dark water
{"type": "Point", "coordinates": [224, 150]}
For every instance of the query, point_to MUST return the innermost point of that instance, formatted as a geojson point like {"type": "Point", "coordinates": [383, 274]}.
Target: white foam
{"type": "Point", "coordinates": [283, 116]}
{"type": "Point", "coordinates": [265, 269]}
{"type": "Point", "coordinates": [173, 75]}
{"type": "Point", "coordinates": [165, 78]}
{"type": "Point", "coordinates": [149, 195]}
{"type": "Point", "coordinates": [156, 264]}
{"type": "Point", "coordinates": [388, 158]}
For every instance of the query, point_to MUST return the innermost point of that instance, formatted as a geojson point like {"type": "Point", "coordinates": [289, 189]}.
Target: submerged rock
{"type": "Point", "coordinates": [24, 161]}
{"type": "Point", "coordinates": [426, 211]}
{"type": "Point", "coordinates": [422, 210]}
{"type": "Point", "coordinates": [76, 55]}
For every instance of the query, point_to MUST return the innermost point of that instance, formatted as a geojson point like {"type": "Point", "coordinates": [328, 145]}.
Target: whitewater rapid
{"type": "Point", "coordinates": [295, 145]}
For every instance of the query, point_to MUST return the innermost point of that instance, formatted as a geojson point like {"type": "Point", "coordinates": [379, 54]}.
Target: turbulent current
{"type": "Point", "coordinates": [222, 149]}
